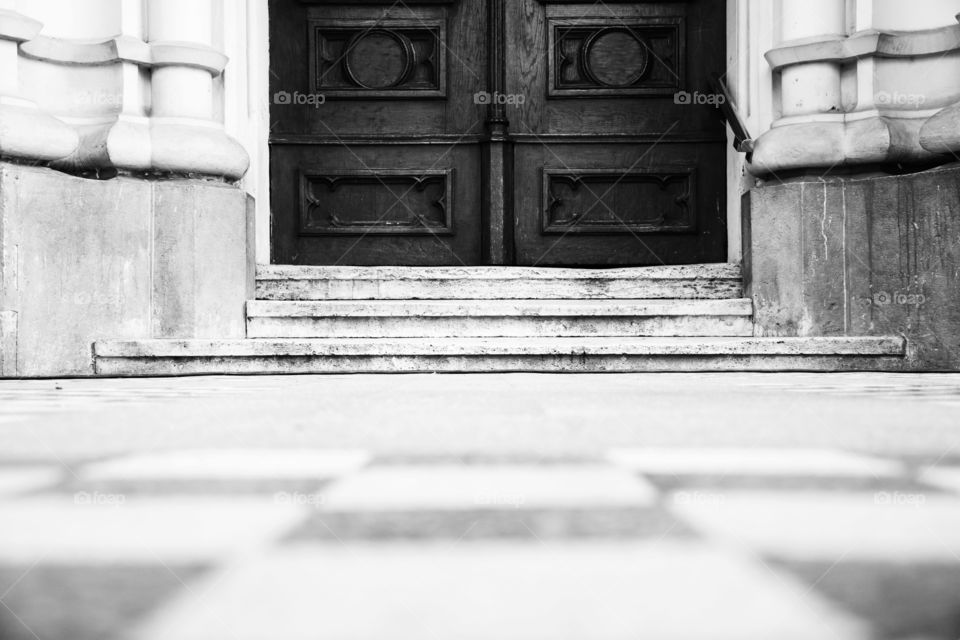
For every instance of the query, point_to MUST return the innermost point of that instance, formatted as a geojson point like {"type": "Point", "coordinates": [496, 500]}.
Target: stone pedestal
{"type": "Point", "coordinates": [86, 260]}
{"type": "Point", "coordinates": [859, 257]}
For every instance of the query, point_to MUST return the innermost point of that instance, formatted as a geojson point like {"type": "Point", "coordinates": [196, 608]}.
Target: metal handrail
{"type": "Point", "coordinates": [742, 141]}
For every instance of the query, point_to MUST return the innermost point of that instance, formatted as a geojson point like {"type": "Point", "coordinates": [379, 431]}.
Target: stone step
{"type": "Point", "coordinates": [204, 357]}
{"type": "Point", "coordinates": [498, 318]}
{"type": "Point", "coordinates": [715, 281]}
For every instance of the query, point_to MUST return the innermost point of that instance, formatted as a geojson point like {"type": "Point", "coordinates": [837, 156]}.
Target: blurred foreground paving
{"type": "Point", "coordinates": [555, 507]}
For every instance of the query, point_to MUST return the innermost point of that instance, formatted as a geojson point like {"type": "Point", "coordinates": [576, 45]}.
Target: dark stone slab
{"type": "Point", "coordinates": [900, 599]}
{"type": "Point", "coordinates": [85, 602]}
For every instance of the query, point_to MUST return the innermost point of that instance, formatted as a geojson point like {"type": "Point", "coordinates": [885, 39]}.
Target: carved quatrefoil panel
{"type": "Point", "coordinates": [616, 57]}
{"type": "Point", "coordinates": [382, 59]}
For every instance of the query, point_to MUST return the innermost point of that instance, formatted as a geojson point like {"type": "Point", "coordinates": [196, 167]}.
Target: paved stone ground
{"type": "Point", "coordinates": [583, 507]}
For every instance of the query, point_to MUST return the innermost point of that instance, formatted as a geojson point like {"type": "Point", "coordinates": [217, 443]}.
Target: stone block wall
{"type": "Point", "coordinates": [859, 257]}
{"type": "Point", "coordinates": [83, 260]}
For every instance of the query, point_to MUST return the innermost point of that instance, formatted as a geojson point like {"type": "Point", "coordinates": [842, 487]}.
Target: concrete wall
{"type": "Point", "coordinates": [84, 260]}
{"type": "Point", "coordinates": [859, 257]}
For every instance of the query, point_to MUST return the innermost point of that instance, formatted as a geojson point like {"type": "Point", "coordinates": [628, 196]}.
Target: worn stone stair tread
{"type": "Point", "coordinates": [893, 346]}
{"type": "Point", "coordinates": [680, 272]}
{"type": "Point", "coordinates": [715, 281]}
{"type": "Point", "coordinates": [498, 308]}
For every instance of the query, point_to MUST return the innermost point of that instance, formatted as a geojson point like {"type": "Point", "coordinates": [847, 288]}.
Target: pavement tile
{"type": "Point", "coordinates": [228, 464]}
{"type": "Point", "coordinates": [797, 462]}
{"type": "Point", "coordinates": [915, 601]}
{"type": "Point", "coordinates": [24, 479]}
{"type": "Point", "coordinates": [783, 482]}
{"type": "Point", "coordinates": [112, 528]}
{"type": "Point", "coordinates": [945, 477]}
{"type": "Point", "coordinates": [400, 488]}
{"type": "Point", "coordinates": [486, 458]}
{"type": "Point", "coordinates": [78, 602]}
{"type": "Point", "coordinates": [283, 489]}
{"type": "Point", "coordinates": [470, 525]}
{"type": "Point", "coordinates": [666, 591]}
{"type": "Point", "coordinates": [828, 526]}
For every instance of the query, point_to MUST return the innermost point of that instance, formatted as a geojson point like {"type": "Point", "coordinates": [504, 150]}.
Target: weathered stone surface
{"type": "Point", "coordinates": [828, 145]}
{"type": "Point", "coordinates": [200, 259]}
{"type": "Point", "coordinates": [717, 281]}
{"type": "Point", "coordinates": [170, 357]}
{"type": "Point", "coordinates": [860, 257]}
{"type": "Point", "coordinates": [76, 267]}
{"type": "Point", "coordinates": [941, 133]}
{"type": "Point", "coordinates": [84, 260]}
{"type": "Point", "coordinates": [498, 327]}
{"type": "Point", "coordinates": [500, 308]}
{"type": "Point", "coordinates": [499, 318]}
{"type": "Point", "coordinates": [881, 346]}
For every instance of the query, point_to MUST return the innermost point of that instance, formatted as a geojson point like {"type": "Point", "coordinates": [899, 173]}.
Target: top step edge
{"type": "Point", "coordinates": [680, 272]}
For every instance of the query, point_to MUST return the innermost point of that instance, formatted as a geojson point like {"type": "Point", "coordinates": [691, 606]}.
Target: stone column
{"type": "Point", "coordinates": [78, 73]}
{"type": "Point", "coordinates": [812, 88]}
{"type": "Point", "coordinates": [858, 81]}
{"type": "Point", "coordinates": [25, 131]}
{"type": "Point", "coordinates": [129, 144]}
{"type": "Point", "coordinates": [187, 137]}
{"type": "Point", "coordinates": [941, 133]}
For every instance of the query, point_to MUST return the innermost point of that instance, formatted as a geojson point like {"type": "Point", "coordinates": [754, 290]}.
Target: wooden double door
{"type": "Point", "coordinates": [498, 132]}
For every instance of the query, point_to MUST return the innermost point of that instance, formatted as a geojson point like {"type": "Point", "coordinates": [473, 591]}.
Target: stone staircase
{"type": "Point", "coordinates": [352, 319]}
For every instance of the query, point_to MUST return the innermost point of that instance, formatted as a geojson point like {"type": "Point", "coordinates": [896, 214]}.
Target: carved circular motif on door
{"type": "Point", "coordinates": [615, 57]}
{"type": "Point", "coordinates": [379, 59]}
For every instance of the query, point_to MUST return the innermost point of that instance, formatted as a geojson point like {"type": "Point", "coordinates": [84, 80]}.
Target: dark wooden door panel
{"type": "Point", "coordinates": [376, 204]}
{"type": "Point", "coordinates": [590, 158]}
{"type": "Point", "coordinates": [385, 168]}
{"type": "Point", "coordinates": [622, 204]}
{"type": "Point", "coordinates": [611, 168]}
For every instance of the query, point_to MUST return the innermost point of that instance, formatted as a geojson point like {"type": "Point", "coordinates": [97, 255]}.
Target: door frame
{"type": "Point", "coordinates": [245, 87]}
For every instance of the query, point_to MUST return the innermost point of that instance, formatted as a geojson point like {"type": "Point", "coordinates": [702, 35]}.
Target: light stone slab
{"type": "Point", "coordinates": [404, 488]}
{"type": "Point", "coordinates": [945, 477]}
{"type": "Point", "coordinates": [498, 308]}
{"type": "Point", "coordinates": [106, 528]}
{"type": "Point", "coordinates": [572, 363]}
{"type": "Point", "coordinates": [499, 327]}
{"type": "Point", "coordinates": [669, 272]}
{"type": "Point", "coordinates": [486, 355]}
{"type": "Point", "coordinates": [661, 591]}
{"type": "Point", "coordinates": [18, 480]}
{"type": "Point", "coordinates": [218, 464]}
{"type": "Point", "coordinates": [880, 527]}
{"type": "Point", "coordinates": [883, 346]}
{"type": "Point", "coordinates": [497, 283]}
{"type": "Point", "coordinates": [754, 462]}
{"type": "Point", "coordinates": [499, 318]}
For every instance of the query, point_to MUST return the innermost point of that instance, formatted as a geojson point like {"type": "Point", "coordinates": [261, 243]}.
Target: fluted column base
{"type": "Point", "coordinates": [941, 134]}
{"type": "Point", "coordinates": [30, 134]}
{"type": "Point", "coordinates": [839, 144]}
{"type": "Point", "coordinates": [140, 145]}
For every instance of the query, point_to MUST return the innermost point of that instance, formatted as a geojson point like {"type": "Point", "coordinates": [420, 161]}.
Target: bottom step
{"type": "Point", "coordinates": [205, 357]}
